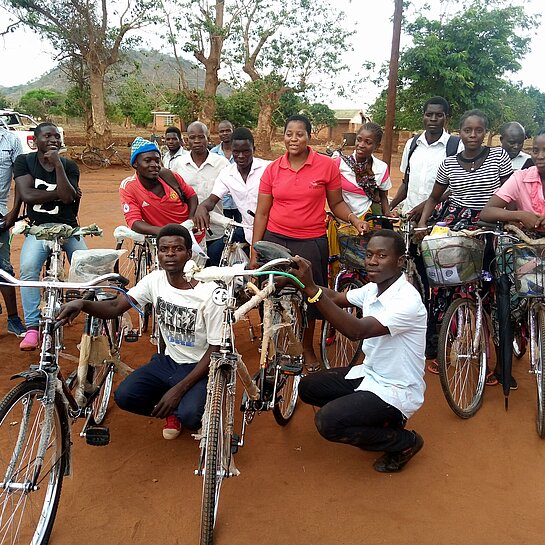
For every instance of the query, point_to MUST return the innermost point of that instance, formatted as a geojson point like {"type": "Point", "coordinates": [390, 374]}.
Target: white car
{"type": "Point", "coordinates": [24, 126]}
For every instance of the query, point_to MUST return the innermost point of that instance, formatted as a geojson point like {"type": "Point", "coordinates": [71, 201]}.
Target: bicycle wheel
{"type": "Point", "coordinates": [540, 375]}
{"type": "Point", "coordinates": [27, 513]}
{"type": "Point", "coordinates": [101, 377]}
{"type": "Point", "coordinates": [141, 271]}
{"type": "Point", "coordinates": [462, 365]}
{"type": "Point", "coordinates": [288, 308]}
{"type": "Point", "coordinates": [126, 265]}
{"type": "Point", "coordinates": [414, 279]}
{"type": "Point", "coordinates": [217, 455]}
{"type": "Point", "coordinates": [92, 159]}
{"type": "Point", "coordinates": [336, 349]}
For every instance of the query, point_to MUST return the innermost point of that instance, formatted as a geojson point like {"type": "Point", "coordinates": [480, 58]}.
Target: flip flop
{"type": "Point", "coordinates": [313, 367]}
{"type": "Point", "coordinates": [433, 367]}
{"type": "Point", "coordinates": [491, 379]}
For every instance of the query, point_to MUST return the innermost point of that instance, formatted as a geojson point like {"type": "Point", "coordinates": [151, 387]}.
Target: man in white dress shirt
{"type": "Point", "coordinates": [512, 136]}
{"type": "Point", "coordinates": [368, 405]}
{"type": "Point", "coordinates": [174, 142]}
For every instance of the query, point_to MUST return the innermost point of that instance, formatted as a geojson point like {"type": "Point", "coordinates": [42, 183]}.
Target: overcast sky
{"type": "Point", "coordinates": [23, 56]}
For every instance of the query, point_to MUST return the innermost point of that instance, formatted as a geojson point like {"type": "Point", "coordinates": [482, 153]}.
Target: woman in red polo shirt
{"type": "Point", "coordinates": [291, 209]}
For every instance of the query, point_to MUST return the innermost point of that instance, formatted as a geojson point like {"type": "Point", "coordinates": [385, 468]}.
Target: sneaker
{"type": "Point", "coordinates": [16, 327]}
{"type": "Point", "coordinates": [392, 462]}
{"type": "Point", "coordinates": [172, 428]}
{"type": "Point", "coordinates": [31, 340]}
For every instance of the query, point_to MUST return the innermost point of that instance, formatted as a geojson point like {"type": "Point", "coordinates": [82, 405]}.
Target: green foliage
{"type": "Point", "coordinates": [290, 103]}
{"type": "Point", "coordinates": [321, 116]}
{"type": "Point", "coordinates": [463, 59]}
{"type": "Point", "coordinates": [41, 103]}
{"type": "Point", "coordinates": [186, 104]}
{"type": "Point", "coordinates": [135, 102]}
{"type": "Point", "coordinates": [77, 102]}
{"type": "Point", "coordinates": [4, 102]}
{"type": "Point", "coordinates": [240, 107]}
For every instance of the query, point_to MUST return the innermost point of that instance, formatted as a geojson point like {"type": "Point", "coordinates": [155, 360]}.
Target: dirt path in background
{"type": "Point", "coordinates": [476, 482]}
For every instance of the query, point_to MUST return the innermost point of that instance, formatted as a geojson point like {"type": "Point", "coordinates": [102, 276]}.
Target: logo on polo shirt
{"type": "Point", "coordinates": [126, 207]}
{"type": "Point", "coordinates": [144, 203]}
{"type": "Point", "coordinates": [173, 195]}
{"type": "Point", "coordinates": [316, 184]}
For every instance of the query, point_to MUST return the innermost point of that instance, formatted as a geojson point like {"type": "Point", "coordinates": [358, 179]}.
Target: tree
{"type": "Point", "coordinates": [4, 102]}
{"type": "Point", "coordinates": [240, 107]}
{"type": "Point", "coordinates": [186, 104]}
{"type": "Point", "coordinates": [135, 102]}
{"type": "Point", "coordinates": [321, 116]}
{"type": "Point", "coordinates": [86, 31]}
{"type": "Point", "coordinates": [283, 46]}
{"type": "Point", "coordinates": [41, 103]}
{"type": "Point", "coordinates": [463, 58]}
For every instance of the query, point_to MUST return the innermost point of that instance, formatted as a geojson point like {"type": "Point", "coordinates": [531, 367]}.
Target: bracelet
{"type": "Point", "coordinates": [351, 214]}
{"type": "Point", "coordinates": [316, 297]}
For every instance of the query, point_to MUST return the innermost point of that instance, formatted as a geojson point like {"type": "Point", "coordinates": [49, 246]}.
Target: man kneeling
{"type": "Point", "coordinates": [171, 385]}
{"type": "Point", "coordinates": [368, 405]}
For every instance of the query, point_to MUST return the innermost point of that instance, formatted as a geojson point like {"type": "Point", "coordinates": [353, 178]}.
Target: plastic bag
{"type": "Point", "coordinates": [88, 264]}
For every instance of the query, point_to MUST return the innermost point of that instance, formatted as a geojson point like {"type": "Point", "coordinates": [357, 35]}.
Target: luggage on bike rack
{"type": "Point", "coordinates": [352, 247]}
{"type": "Point", "coordinates": [452, 260]}
{"type": "Point", "coordinates": [529, 269]}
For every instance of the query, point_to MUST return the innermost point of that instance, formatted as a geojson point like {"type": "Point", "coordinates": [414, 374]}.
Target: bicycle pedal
{"type": "Point", "coordinates": [292, 367]}
{"type": "Point", "coordinates": [131, 336]}
{"type": "Point", "coordinates": [234, 443]}
{"type": "Point", "coordinates": [97, 436]}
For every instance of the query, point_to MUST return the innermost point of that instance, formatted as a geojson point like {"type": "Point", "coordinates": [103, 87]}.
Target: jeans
{"type": "Point", "coordinates": [357, 418]}
{"type": "Point", "coordinates": [214, 248]}
{"type": "Point", "coordinates": [144, 388]}
{"type": "Point", "coordinates": [34, 254]}
{"type": "Point", "coordinates": [5, 262]}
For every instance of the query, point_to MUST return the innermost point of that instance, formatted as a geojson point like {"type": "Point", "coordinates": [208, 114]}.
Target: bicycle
{"type": "Point", "coordinates": [273, 388]}
{"type": "Point", "coordinates": [36, 415]}
{"type": "Point", "coordinates": [95, 158]}
{"type": "Point", "coordinates": [141, 259]}
{"type": "Point", "coordinates": [337, 350]}
{"type": "Point", "coordinates": [464, 336]}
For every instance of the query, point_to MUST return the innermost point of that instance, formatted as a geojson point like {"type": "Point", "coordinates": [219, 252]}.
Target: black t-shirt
{"type": "Point", "coordinates": [53, 211]}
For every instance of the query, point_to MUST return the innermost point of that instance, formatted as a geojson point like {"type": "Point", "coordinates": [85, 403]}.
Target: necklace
{"type": "Point", "coordinates": [473, 160]}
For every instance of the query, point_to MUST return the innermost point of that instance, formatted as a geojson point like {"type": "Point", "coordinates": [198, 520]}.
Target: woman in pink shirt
{"type": "Point", "coordinates": [524, 191]}
{"type": "Point", "coordinates": [291, 209]}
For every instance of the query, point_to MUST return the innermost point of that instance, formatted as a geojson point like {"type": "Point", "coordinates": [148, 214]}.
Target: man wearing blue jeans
{"type": "Point", "coordinates": [49, 186]}
{"type": "Point", "coordinates": [10, 149]}
{"type": "Point", "coordinates": [368, 405]}
{"type": "Point", "coordinates": [171, 385]}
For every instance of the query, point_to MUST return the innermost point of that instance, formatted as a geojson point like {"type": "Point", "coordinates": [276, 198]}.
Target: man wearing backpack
{"type": "Point", "coordinates": [153, 196]}
{"type": "Point", "coordinates": [422, 156]}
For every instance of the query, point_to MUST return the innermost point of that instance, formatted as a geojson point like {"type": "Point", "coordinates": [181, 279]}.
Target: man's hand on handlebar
{"type": "Point", "coordinates": [302, 269]}
{"type": "Point", "coordinates": [201, 218]}
{"type": "Point", "coordinates": [361, 225]}
{"type": "Point", "coordinates": [416, 213]}
{"type": "Point", "coordinates": [69, 311]}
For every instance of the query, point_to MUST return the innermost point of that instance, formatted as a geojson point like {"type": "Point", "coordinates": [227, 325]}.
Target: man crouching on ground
{"type": "Point", "coordinates": [171, 385]}
{"type": "Point", "coordinates": [368, 405]}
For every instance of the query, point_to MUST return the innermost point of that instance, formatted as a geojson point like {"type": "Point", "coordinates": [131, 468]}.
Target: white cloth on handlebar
{"type": "Point", "coordinates": [52, 231]}
{"type": "Point", "coordinates": [122, 232]}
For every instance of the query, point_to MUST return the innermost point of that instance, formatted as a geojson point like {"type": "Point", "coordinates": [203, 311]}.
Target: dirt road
{"type": "Point", "coordinates": [476, 482]}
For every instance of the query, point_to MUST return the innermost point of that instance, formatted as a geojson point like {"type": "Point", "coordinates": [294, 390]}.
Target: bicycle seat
{"type": "Point", "coordinates": [268, 251]}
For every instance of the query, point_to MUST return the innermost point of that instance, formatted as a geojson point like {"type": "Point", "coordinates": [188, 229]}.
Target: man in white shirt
{"type": "Point", "coordinates": [512, 136]}
{"type": "Point", "coordinates": [174, 142]}
{"type": "Point", "coordinates": [240, 179]}
{"type": "Point", "coordinates": [368, 405]}
{"type": "Point", "coordinates": [200, 168]}
{"type": "Point", "coordinates": [170, 385]}
{"type": "Point", "coordinates": [420, 163]}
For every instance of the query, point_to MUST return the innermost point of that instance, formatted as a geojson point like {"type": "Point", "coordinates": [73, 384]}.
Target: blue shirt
{"type": "Point", "coordinates": [10, 148]}
{"type": "Point", "coordinates": [228, 201]}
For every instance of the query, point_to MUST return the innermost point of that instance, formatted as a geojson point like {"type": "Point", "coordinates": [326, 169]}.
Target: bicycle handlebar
{"type": "Point", "coordinates": [108, 277]}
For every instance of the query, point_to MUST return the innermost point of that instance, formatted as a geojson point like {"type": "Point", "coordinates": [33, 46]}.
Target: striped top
{"type": "Point", "coordinates": [473, 189]}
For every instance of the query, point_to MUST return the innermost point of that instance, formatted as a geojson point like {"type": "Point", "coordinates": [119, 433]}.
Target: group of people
{"type": "Point", "coordinates": [285, 201]}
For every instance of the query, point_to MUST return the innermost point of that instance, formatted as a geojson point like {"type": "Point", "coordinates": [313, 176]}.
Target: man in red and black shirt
{"type": "Point", "coordinates": [148, 201]}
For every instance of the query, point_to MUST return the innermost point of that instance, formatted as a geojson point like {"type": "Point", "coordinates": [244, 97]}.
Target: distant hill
{"type": "Point", "coordinates": [157, 69]}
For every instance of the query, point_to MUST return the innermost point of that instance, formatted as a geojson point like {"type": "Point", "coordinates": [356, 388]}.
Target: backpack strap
{"type": "Point", "coordinates": [452, 145]}
{"type": "Point", "coordinates": [412, 147]}
{"type": "Point", "coordinates": [168, 177]}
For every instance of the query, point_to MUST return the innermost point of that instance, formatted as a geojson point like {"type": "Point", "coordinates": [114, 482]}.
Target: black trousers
{"type": "Point", "coordinates": [357, 418]}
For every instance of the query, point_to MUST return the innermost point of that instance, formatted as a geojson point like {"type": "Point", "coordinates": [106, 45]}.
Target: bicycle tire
{"type": "Point", "coordinates": [414, 280]}
{"type": "Point", "coordinates": [141, 271]}
{"type": "Point", "coordinates": [216, 456]}
{"type": "Point", "coordinates": [102, 376]}
{"type": "Point", "coordinates": [28, 516]}
{"type": "Point", "coordinates": [126, 265]}
{"type": "Point", "coordinates": [336, 349]}
{"type": "Point", "coordinates": [540, 375]}
{"type": "Point", "coordinates": [461, 371]}
{"type": "Point", "coordinates": [287, 387]}
{"type": "Point", "coordinates": [92, 160]}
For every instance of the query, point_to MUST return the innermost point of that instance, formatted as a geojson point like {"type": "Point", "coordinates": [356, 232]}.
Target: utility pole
{"type": "Point", "coordinates": [392, 83]}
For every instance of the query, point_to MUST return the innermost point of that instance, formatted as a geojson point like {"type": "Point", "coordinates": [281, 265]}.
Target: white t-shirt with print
{"type": "Point", "coordinates": [189, 320]}
{"type": "Point", "coordinates": [393, 367]}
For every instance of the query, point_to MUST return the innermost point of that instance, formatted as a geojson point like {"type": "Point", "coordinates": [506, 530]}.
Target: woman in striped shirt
{"type": "Point", "coordinates": [472, 176]}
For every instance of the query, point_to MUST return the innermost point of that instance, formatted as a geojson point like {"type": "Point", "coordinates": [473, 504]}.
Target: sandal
{"type": "Point", "coordinates": [313, 367]}
{"type": "Point", "coordinates": [433, 367]}
{"type": "Point", "coordinates": [491, 379]}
